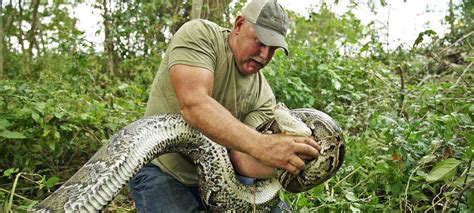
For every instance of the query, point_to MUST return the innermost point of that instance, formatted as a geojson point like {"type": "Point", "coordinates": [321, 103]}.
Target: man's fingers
{"type": "Point", "coordinates": [305, 149]}
{"type": "Point", "coordinates": [292, 169]}
{"type": "Point", "coordinates": [296, 162]}
{"type": "Point", "coordinates": [305, 157]}
{"type": "Point", "coordinates": [312, 143]}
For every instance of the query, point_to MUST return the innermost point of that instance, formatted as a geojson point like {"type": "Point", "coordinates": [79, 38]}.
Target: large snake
{"type": "Point", "coordinates": [102, 177]}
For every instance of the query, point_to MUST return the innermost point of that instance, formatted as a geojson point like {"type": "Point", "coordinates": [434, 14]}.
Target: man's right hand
{"type": "Point", "coordinates": [285, 151]}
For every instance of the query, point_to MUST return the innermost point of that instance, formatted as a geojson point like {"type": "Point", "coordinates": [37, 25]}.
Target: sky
{"type": "Point", "coordinates": [405, 19]}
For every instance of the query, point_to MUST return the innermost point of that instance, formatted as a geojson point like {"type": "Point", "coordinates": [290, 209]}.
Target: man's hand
{"type": "Point", "coordinates": [284, 151]}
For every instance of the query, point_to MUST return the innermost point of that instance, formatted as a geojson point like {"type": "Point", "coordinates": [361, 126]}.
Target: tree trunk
{"type": "Point", "coordinates": [1, 39]}
{"type": "Point", "coordinates": [217, 11]}
{"type": "Point", "coordinates": [196, 9]}
{"type": "Point", "coordinates": [21, 39]}
{"type": "Point", "coordinates": [108, 40]}
{"type": "Point", "coordinates": [32, 36]}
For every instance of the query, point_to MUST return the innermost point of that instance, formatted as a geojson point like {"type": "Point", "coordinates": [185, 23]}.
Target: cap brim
{"type": "Point", "coordinates": [271, 38]}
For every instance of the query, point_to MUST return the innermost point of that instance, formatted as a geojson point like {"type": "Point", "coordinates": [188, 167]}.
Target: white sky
{"type": "Point", "coordinates": [406, 19]}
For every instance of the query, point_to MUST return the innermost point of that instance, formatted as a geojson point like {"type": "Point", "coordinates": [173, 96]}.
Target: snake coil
{"type": "Point", "coordinates": [101, 178]}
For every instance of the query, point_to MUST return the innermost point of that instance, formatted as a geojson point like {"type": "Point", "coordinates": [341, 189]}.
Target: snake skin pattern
{"type": "Point", "coordinates": [102, 177]}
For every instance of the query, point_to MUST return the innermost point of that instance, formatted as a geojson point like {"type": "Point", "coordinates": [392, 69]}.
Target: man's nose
{"type": "Point", "coordinates": [265, 52]}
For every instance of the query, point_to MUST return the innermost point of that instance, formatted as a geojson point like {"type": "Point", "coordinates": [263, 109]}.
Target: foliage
{"type": "Point", "coordinates": [407, 114]}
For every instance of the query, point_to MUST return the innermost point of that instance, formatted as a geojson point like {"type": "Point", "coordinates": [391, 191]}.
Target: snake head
{"type": "Point", "coordinates": [288, 123]}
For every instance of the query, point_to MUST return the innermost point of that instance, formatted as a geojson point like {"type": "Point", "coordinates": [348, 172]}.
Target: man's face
{"type": "Point", "coordinates": [250, 54]}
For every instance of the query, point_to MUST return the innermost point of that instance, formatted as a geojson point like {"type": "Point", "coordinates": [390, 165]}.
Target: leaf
{"type": "Point", "coordinates": [12, 135]}
{"type": "Point", "coordinates": [420, 36]}
{"type": "Point", "coordinates": [443, 170]}
{"type": "Point", "coordinates": [51, 144]}
{"type": "Point", "coordinates": [4, 123]}
{"type": "Point", "coordinates": [427, 159]}
{"type": "Point", "coordinates": [36, 117]}
{"type": "Point", "coordinates": [354, 209]}
{"type": "Point", "coordinates": [364, 48]}
{"type": "Point", "coordinates": [350, 196]}
{"type": "Point", "coordinates": [52, 181]}
{"type": "Point", "coordinates": [418, 40]}
{"type": "Point", "coordinates": [123, 86]}
{"type": "Point", "coordinates": [10, 171]}
{"type": "Point", "coordinates": [470, 198]}
{"type": "Point", "coordinates": [417, 195]}
{"type": "Point", "coordinates": [337, 84]}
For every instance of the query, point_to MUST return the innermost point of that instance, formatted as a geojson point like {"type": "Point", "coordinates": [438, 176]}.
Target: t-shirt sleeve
{"type": "Point", "coordinates": [264, 107]}
{"type": "Point", "coordinates": [193, 45]}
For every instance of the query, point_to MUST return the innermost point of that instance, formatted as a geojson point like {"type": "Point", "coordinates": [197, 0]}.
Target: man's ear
{"type": "Point", "coordinates": [239, 23]}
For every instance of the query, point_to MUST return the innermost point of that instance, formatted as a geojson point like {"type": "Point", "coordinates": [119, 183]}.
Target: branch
{"type": "Point", "coordinates": [466, 187]}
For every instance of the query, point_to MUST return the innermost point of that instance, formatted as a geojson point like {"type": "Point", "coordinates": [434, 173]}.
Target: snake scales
{"type": "Point", "coordinates": [102, 177]}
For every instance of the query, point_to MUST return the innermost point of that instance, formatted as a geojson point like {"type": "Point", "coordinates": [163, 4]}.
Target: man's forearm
{"type": "Point", "coordinates": [217, 123]}
{"type": "Point", "coordinates": [248, 166]}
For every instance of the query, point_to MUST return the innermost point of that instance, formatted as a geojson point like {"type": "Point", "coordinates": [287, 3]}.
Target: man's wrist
{"type": "Point", "coordinates": [253, 144]}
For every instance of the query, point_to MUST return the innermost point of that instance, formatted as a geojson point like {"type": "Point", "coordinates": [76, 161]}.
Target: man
{"type": "Point", "coordinates": [211, 76]}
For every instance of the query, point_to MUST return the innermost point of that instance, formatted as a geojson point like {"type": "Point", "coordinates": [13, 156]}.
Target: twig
{"type": "Point", "coordinates": [347, 176]}
{"type": "Point", "coordinates": [463, 72]}
{"type": "Point", "coordinates": [408, 185]}
{"type": "Point", "coordinates": [402, 91]}
{"type": "Point", "coordinates": [466, 187]}
{"type": "Point", "coordinates": [12, 194]}
{"type": "Point", "coordinates": [457, 41]}
{"type": "Point", "coordinates": [433, 204]}
{"type": "Point", "coordinates": [467, 175]}
{"type": "Point", "coordinates": [327, 189]}
{"type": "Point", "coordinates": [75, 152]}
{"type": "Point", "coordinates": [21, 197]}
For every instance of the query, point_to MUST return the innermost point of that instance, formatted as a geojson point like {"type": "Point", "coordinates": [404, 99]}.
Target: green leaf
{"type": "Point", "coordinates": [364, 48]}
{"type": "Point", "coordinates": [427, 159]}
{"type": "Point", "coordinates": [51, 145]}
{"type": "Point", "coordinates": [417, 195]}
{"type": "Point", "coordinates": [10, 171]}
{"type": "Point", "coordinates": [36, 117]}
{"type": "Point", "coordinates": [418, 40]}
{"type": "Point", "coordinates": [123, 86]}
{"type": "Point", "coordinates": [52, 181]}
{"type": "Point", "coordinates": [12, 135]}
{"type": "Point", "coordinates": [354, 209]}
{"type": "Point", "coordinates": [420, 36]}
{"type": "Point", "coordinates": [443, 170]}
{"type": "Point", "coordinates": [4, 123]}
{"type": "Point", "coordinates": [351, 197]}
{"type": "Point", "coordinates": [470, 198]}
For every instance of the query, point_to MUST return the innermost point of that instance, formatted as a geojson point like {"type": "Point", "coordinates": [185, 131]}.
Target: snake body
{"type": "Point", "coordinates": [101, 178]}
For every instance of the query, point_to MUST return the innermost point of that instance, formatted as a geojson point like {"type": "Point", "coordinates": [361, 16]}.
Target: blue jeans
{"type": "Point", "coordinates": [156, 191]}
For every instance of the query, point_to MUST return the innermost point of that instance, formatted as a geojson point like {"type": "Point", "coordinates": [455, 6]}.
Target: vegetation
{"type": "Point", "coordinates": [407, 113]}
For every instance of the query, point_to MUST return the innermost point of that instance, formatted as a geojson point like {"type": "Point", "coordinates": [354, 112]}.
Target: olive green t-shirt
{"type": "Point", "coordinates": [204, 44]}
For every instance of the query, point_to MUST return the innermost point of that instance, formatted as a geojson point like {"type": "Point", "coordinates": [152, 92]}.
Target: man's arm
{"type": "Point", "coordinates": [193, 87]}
{"type": "Point", "coordinates": [249, 166]}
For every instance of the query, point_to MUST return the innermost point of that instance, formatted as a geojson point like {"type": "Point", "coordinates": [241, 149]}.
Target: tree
{"type": "Point", "coordinates": [196, 9]}
{"type": "Point", "coordinates": [108, 41]}
{"type": "Point", "coordinates": [32, 36]}
{"type": "Point", "coordinates": [1, 39]}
